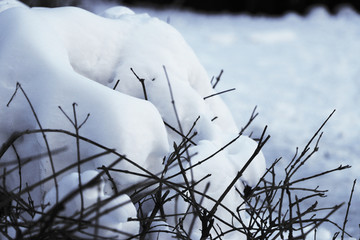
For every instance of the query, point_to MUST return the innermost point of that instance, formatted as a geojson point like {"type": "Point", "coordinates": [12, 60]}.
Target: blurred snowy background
{"type": "Point", "coordinates": [296, 70]}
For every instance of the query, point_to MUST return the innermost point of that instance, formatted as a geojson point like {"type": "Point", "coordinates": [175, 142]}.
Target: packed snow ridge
{"type": "Point", "coordinates": [64, 64]}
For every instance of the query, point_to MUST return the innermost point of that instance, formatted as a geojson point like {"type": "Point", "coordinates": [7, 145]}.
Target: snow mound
{"type": "Point", "coordinates": [6, 4]}
{"type": "Point", "coordinates": [56, 71]}
{"type": "Point", "coordinates": [116, 12]}
{"type": "Point", "coordinates": [80, 78]}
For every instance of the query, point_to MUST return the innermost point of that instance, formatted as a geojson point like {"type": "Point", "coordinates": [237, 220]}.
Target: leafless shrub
{"type": "Point", "coordinates": [273, 209]}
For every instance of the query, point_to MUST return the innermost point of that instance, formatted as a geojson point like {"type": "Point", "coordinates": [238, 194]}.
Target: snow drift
{"type": "Point", "coordinates": [67, 61]}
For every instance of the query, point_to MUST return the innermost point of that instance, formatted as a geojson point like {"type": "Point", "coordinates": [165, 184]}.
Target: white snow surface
{"type": "Point", "coordinates": [296, 70]}
{"type": "Point", "coordinates": [6, 4]}
{"type": "Point", "coordinates": [67, 61]}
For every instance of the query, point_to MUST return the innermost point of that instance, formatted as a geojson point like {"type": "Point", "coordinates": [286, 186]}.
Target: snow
{"type": "Point", "coordinates": [6, 4]}
{"type": "Point", "coordinates": [223, 172]}
{"type": "Point", "coordinates": [67, 62]}
{"type": "Point", "coordinates": [62, 86]}
{"type": "Point", "coordinates": [116, 12]}
{"type": "Point", "coordinates": [296, 70]}
{"type": "Point", "coordinates": [273, 37]}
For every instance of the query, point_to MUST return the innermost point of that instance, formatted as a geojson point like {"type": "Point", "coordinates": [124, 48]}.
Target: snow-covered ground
{"type": "Point", "coordinates": [296, 70]}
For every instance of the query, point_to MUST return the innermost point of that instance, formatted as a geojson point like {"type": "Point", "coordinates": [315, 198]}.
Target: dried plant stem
{"type": "Point", "coordinates": [347, 210]}
{"type": "Point", "coordinates": [116, 84]}
{"type": "Point", "coordinates": [217, 79]}
{"type": "Point", "coordinates": [241, 172]}
{"type": "Point", "coordinates": [142, 81]}
{"type": "Point", "coordinates": [18, 86]}
{"type": "Point", "coordinates": [78, 157]}
{"type": "Point", "coordinates": [219, 93]}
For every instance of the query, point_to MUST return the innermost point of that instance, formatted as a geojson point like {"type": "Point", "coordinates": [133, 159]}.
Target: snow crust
{"type": "Point", "coordinates": [68, 61]}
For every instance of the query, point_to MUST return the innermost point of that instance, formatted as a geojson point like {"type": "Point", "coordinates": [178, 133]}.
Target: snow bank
{"type": "Point", "coordinates": [67, 55]}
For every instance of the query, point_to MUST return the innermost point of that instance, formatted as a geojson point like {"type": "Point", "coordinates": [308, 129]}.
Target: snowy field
{"type": "Point", "coordinates": [296, 70]}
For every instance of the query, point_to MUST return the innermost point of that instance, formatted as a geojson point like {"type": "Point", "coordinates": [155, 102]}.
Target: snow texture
{"type": "Point", "coordinates": [68, 60]}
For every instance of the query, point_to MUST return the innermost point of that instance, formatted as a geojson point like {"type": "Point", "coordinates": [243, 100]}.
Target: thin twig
{"type": "Point", "coordinates": [142, 81]}
{"type": "Point", "coordinates": [240, 173]}
{"type": "Point", "coordinates": [182, 135]}
{"type": "Point", "coordinates": [18, 86]}
{"type": "Point", "coordinates": [116, 84]}
{"type": "Point", "coordinates": [106, 170]}
{"type": "Point", "coordinates": [219, 93]}
{"type": "Point", "coordinates": [347, 210]}
{"type": "Point", "coordinates": [78, 166]}
{"type": "Point", "coordinates": [195, 205]}
{"type": "Point", "coordinates": [218, 79]}
{"type": "Point", "coordinates": [173, 101]}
